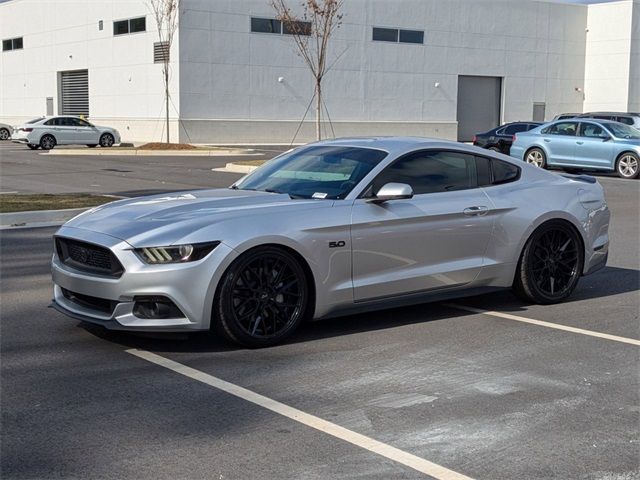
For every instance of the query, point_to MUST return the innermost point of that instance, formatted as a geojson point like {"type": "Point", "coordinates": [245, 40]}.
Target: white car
{"type": "Point", "coordinates": [5, 131]}
{"type": "Point", "coordinates": [47, 132]}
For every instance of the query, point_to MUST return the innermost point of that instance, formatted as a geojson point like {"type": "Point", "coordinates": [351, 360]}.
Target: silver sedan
{"type": "Point", "coordinates": [327, 229]}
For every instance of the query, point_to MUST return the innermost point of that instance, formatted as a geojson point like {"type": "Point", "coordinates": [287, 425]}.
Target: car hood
{"type": "Point", "coordinates": [167, 219]}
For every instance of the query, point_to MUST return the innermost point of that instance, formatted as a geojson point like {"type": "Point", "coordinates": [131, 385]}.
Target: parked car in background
{"type": "Point", "coordinates": [499, 139]}
{"type": "Point", "coordinates": [582, 143]}
{"type": "Point", "coordinates": [47, 132]}
{"type": "Point", "coordinates": [632, 119]}
{"type": "Point", "coordinates": [5, 131]}
{"type": "Point", "coordinates": [564, 116]}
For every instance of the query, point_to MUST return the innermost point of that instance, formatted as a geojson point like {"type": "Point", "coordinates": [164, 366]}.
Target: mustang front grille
{"type": "Point", "coordinates": [88, 257]}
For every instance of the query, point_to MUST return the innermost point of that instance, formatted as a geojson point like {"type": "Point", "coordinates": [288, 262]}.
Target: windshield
{"type": "Point", "coordinates": [322, 172]}
{"type": "Point", "coordinates": [621, 130]}
{"type": "Point", "coordinates": [35, 120]}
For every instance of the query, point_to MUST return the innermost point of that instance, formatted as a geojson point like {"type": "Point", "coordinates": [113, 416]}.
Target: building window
{"type": "Point", "coordinates": [12, 44]}
{"type": "Point", "coordinates": [397, 35]}
{"type": "Point", "coordinates": [271, 25]}
{"type": "Point", "coordinates": [131, 25]}
{"type": "Point", "coordinates": [266, 25]}
{"type": "Point", "coordinates": [160, 52]}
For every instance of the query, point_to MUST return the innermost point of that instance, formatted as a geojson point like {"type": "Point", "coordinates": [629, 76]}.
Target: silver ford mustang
{"type": "Point", "coordinates": [327, 229]}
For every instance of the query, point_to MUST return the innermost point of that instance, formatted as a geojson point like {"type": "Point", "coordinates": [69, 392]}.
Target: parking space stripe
{"type": "Point", "coordinates": [541, 323]}
{"type": "Point", "coordinates": [400, 456]}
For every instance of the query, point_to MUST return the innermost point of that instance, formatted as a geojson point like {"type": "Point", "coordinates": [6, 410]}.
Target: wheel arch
{"type": "Point", "coordinates": [308, 271]}
{"type": "Point", "coordinates": [540, 222]}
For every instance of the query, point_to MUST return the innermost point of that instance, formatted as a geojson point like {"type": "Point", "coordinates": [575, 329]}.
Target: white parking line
{"type": "Point", "coordinates": [407, 459]}
{"type": "Point", "coordinates": [541, 323]}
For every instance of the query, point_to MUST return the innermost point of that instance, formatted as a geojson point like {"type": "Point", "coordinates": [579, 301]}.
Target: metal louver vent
{"type": "Point", "coordinates": [160, 52]}
{"type": "Point", "coordinates": [74, 90]}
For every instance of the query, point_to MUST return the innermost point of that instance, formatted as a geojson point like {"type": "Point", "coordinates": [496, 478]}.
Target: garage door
{"type": "Point", "coordinates": [74, 92]}
{"type": "Point", "coordinates": [478, 105]}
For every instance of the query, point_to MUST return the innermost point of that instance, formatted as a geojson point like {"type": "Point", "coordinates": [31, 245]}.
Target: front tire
{"type": "Point", "coordinates": [262, 299]}
{"type": "Point", "coordinates": [628, 165]}
{"type": "Point", "coordinates": [106, 140]}
{"type": "Point", "coordinates": [550, 265]}
{"type": "Point", "coordinates": [4, 134]}
{"type": "Point", "coordinates": [537, 157]}
{"type": "Point", "coordinates": [47, 142]}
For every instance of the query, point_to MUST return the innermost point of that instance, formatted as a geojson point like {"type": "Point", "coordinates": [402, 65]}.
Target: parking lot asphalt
{"type": "Point", "coordinates": [26, 171]}
{"type": "Point", "coordinates": [479, 395]}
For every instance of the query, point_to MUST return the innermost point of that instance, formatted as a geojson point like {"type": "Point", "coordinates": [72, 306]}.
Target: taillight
{"type": "Point", "coordinates": [27, 129]}
{"type": "Point", "coordinates": [513, 138]}
{"type": "Point", "coordinates": [475, 139]}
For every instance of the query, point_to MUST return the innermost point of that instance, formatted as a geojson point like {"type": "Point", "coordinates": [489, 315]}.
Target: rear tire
{"type": "Point", "coordinates": [47, 142]}
{"type": "Point", "coordinates": [262, 299]}
{"type": "Point", "coordinates": [628, 165]}
{"type": "Point", "coordinates": [92, 145]}
{"type": "Point", "coordinates": [550, 265]}
{"type": "Point", "coordinates": [537, 157]}
{"type": "Point", "coordinates": [32, 147]}
{"type": "Point", "coordinates": [107, 140]}
{"type": "Point", "coordinates": [4, 134]}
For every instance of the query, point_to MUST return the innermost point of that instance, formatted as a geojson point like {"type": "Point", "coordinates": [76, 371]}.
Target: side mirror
{"type": "Point", "coordinates": [606, 139]}
{"type": "Point", "coordinates": [392, 191]}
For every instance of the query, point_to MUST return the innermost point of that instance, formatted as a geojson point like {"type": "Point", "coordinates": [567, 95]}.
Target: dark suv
{"type": "Point", "coordinates": [632, 119]}
{"type": "Point", "coordinates": [500, 138]}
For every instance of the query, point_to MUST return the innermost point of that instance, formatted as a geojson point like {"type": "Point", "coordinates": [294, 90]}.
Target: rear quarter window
{"type": "Point", "coordinates": [503, 172]}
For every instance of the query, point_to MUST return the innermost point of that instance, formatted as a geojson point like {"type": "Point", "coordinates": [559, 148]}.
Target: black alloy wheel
{"type": "Point", "coordinates": [551, 264]}
{"type": "Point", "coordinates": [263, 298]}
{"type": "Point", "coordinates": [47, 142]}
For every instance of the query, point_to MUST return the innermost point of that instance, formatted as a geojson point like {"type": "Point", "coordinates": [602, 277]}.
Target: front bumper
{"type": "Point", "coordinates": [190, 286]}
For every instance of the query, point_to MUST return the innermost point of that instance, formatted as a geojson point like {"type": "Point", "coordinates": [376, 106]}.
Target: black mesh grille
{"type": "Point", "coordinates": [87, 301]}
{"type": "Point", "coordinates": [88, 257]}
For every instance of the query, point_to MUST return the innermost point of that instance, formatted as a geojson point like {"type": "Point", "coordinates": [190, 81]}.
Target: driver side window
{"type": "Point", "coordinates": [431, 172]}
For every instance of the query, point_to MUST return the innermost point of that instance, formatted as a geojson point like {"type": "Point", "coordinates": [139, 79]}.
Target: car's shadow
{"type": "Point", "coordinates": [605, 283]}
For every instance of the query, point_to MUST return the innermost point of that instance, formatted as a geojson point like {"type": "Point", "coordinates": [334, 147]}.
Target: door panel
{"type": "Point", "coordinates": [427, 242]}
{"type": "Point", "coordinates": [593, 147]}
{"type": "Point", "coordinates": [560, 142]}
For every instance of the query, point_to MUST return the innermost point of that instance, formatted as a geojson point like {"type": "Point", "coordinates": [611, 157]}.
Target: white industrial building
{"type": "Point", "coordinates": [443, 68]}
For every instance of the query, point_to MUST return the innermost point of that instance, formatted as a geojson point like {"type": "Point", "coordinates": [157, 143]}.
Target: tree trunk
{"type": "Point", "coordinates": [166, 98]}
{"type": "Point", "coordinates": [318, 110]}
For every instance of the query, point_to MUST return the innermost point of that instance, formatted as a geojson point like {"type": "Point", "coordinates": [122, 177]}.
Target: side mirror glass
{"type": "Point", "coordinates": [392, 191]}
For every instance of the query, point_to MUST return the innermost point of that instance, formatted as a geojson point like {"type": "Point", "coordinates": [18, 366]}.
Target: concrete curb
{"type": "Point", "coordinates": [38, 218]}
{"type": "Point", "coordinates": [149, 153]}
{"type": "Point", "coordinates": [235, 168]}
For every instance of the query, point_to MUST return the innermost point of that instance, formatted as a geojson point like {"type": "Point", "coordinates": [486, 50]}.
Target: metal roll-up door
{"type": "Point", "coordinates": [74, 91]}
{"type": "Point", "coordinates": [478, 105]}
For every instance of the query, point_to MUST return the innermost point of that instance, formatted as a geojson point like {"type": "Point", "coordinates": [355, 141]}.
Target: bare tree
{"type": "Point", "coordinates": [311, 32]}
{"type": "Point", "coordinates": [165, 13]}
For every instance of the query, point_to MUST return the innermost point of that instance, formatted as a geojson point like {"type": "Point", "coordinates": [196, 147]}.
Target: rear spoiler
{"type": "Point", "coordinates": [580, 178]}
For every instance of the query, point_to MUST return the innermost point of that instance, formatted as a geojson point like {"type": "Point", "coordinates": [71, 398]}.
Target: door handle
{"type": "Point", "coordinates": [547, 140]}
{"type": "Point", "coordinates": [579, 142]}
{"type": "Point", "coordinates": [476, 211]}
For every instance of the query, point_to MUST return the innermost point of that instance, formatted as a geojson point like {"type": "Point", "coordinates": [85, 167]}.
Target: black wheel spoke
{"type": "Point", "coordinates": [554, 261]}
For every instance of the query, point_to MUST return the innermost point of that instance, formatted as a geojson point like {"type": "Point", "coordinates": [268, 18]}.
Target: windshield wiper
{"type": "Point", "coordinates": [291, 195]}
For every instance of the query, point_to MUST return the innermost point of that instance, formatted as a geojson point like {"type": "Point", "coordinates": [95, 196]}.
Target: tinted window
{"type": "Point", "coordinates": [411, 36]}
{"type": "Point", "coordinates": [17, 43]}
{"type": "Point", "coordinates": [625, 120]}
{"type": "Point", "coordinates": [503, 172]}
{"type": "Point", "coordinates": [299, 28]}
{"type": "Point", "coordinates": [53, 121]}
{"type": "Point", "coordinates": [562, 128]}
{"type": "Point", "coordinates": [266, 25]}
{"type": "Point", "coordinates": [385, 34]}
{"type": "Point", "coordinates": [592, 130]}
{"type": "Point", "coordinates": [137, 25]}
{"type": "Point", "coordinates": [6, 45]}
{"type": "Point", "coordinates": [531, 126]}
{"type": "Point", "coordinates": [512, 129]}
{"type": "Point", "coordinates": [121, 27]}
{"type": "Point", "coordinates": [431, 172]}
{"type": "Point", "coordinates": [83, 123]}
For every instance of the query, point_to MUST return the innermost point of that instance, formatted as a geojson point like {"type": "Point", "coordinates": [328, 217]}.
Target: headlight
{"type": "Point", "coordinates": [175, 253]}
